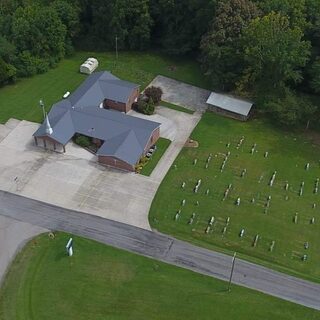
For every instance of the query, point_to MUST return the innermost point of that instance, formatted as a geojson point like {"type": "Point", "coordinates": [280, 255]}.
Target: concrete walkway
{"type": "Point", "coordinates": [160, 247]}
{"type": "Point", "coordinates": [13, 235]}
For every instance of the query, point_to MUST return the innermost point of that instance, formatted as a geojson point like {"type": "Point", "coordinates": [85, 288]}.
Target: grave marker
{"type": "Point", "coordinates": [255, 241]}
{"type": "Point", "coordinates": [272, 245]}
{"type": "Point", "coordinates": [241, 234]}
{"type": "Point", "coordinates": [266, 154]}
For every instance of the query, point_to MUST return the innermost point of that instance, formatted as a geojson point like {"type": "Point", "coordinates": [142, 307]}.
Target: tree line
{"type": "Point", "coordinates": [266, 50]}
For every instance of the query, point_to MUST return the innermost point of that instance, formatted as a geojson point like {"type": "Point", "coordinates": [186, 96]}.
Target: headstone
{"type": "Point", "coordinates": [197, 203]}
{"type": "Point", "coordinates": [307, 166]}
{"type": "Point", "coordinates": [314, 206]}
{"type": "Point", "coordinates": [207, 229]}
{"type": "Point", "coordinates": [227, 220]}
{"type": "Point", "coordinates": [176, 217]}
{"type": "Point", "coordinates": [183, 185]}
{"type": "Point", "coordinates": [207, 165]}
{"type": "Point", "coordinates": [244, 171]}
{"type": "Point", "coordinates": [238, 201]}
{"type": "Point", "coordinates": [301, 189]}
{"type": "Point", "coordinates": [266, 154]}
{"type": "Point", "coordinates": [228, 144]}
{"type": "Point", "coordinates": [295, 219]}
{"type": "Point", "coordinates": [183, 202]}
{"type": "Point", "coordinates": [255, 241]}
{"type": "Point", "coordinates": [253, 200]}
{"type": "Point", "coordinates": [195, 161]}
{"type": "Point", "coordinates": [224, 230]}
{"type": "Point", "coordinates": [272, 245]}
{"type": "Point", "coordinates": [286, 187]}
{"type": "Point", "coordinates": [211, 221]}
{"type": "Point", "coordinates": [272, 178]}
{"type": "Point", "coordinates": [241, 234]}
{"type": "Point", "coordinates": [306, 245]}
{"type": "Point", "coordinates": [312, 221]}
{"type": "Point", "coordinates": [175, 166]}
{"type": "Point", "coordinates": [304, 257]}
{"type": "Point", "coordinates": [207, 192]}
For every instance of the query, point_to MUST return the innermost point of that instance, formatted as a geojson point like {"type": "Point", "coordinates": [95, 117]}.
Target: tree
{"type": "Point", "coordinates": [291, 110]}
{"type": "Point", "coordinates": [40, 31]}
{"type": "Point", "coordinates": [315, 76]}
{"type": "Point", "coordinates": [129, 20]}
{"type": "Point", "coordinates": [221, 50]}
{"type": "Point", "coordinates": [274, 52]}
{"type": "Point", "coordinates": [180, 24]}
{"type": "Point", "coordinates": [155, 93]}
{"type": "Point", "coordinates": [295, 10]}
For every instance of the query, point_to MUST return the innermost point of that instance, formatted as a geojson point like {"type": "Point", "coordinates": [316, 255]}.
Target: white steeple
{"type": "Point", "coordinates": [49, 130]}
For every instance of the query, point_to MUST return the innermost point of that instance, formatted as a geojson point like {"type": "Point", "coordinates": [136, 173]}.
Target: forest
{"type": "Point", "coordinates": [264, 50]}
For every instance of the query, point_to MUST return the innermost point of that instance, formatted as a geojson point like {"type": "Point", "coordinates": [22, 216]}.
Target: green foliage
{"type": "Point", "coordinates": [82, 141]}
{"type": "Point", "coordinates": [274, 52]}
{"type": "Point", "coordinates": [145, 106]}
{"type": "Point", "coordinates": [295, 10]}
{"type": "Point", "coordinates": [221, 57]}
{"type": "Point", "coordinates": [7, 73]}
{"type": "Point", "coordinates": [129, 20]}
{"type": "Point", "coordinates": [155, 93]}
{"type": "Point", "coordinates": [290, 110]}
{"type": "Point", "coordinates": [179, 25]}
{"type": "Point", "coordinates": [315, 76]}
{"type": "Point", "coordinates": [39, 30]}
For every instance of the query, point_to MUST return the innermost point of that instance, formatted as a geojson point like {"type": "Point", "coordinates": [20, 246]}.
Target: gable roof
{"type": "Point", "coordinates": [125, 137]}
{"type": "Point", "coordinates": [230, 103]}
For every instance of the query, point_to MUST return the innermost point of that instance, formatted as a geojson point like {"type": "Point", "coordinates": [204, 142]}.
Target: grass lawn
{"type": "Point", "coordinates": [162, 145]}
{"type": "Point", "coordinates": [288, 155]}
{"type": "Point", "coordinates": [101, 282]}
{"type": "Point", "coordinates": [175, 107]}
{"type": "Point", "coordinates": [21, 100]}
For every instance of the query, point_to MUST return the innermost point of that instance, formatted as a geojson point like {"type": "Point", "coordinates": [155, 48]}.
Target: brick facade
{"type": "Point", "coordinates": [115, 163]}
{"type": "Point", "coordinates": [120, 106]}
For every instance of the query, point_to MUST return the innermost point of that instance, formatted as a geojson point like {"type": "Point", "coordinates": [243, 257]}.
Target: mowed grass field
{"type": "Point", "coordinates": [101, 282]}
{"type": "Point", "coordinates": [288, 155]}
{"type": "Point", "coordinates": [21, 100]}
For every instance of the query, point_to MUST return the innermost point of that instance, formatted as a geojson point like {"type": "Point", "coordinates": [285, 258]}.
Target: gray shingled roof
{"type": "Point", "coordinates": [124, 136]}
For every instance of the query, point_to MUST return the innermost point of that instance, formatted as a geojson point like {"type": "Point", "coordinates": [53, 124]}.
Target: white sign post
{"type": "Point", "coordinates": [69, 247]}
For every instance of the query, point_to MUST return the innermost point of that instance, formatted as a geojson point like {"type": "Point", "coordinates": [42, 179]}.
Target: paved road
{"type": "Point", "coordinates": [160, 247]}
{"type": "Point", "coordinates": [13, 236]}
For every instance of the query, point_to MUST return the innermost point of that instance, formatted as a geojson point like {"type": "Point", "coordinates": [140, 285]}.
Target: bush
{"type": "Point", "coordinates": [145, 107]}
{"type": "Point", "coordinates": [82, 141]}
{"type": "Point", "coordinates": [155, 93]}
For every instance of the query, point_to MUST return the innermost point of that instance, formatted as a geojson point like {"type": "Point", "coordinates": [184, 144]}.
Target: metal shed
{"type": "Point", "coordinates": [229, 106]}
{"type": "Point", "coordinates": [89, 66]}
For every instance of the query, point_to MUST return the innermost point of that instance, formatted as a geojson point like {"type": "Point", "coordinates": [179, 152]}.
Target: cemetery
{"type": "Point", "coordinates": [248, 188]}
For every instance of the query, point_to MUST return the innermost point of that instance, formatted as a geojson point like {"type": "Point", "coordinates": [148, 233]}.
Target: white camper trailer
{"type": "Point", "coordinates": [89, 66]}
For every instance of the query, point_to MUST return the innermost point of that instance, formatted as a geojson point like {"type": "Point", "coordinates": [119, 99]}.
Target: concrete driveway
{"type": "Point", "coordinates": [181, 93]}
{"type": "Point", "coordinates": [76, 181]}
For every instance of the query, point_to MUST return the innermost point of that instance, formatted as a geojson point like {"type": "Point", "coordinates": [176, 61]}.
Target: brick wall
{"type": "Point", "coordinates": [115, 163]}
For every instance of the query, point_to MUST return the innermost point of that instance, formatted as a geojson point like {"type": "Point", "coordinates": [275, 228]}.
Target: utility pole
{"type": "Point", "coordinates": [232, 268]}
{"type": "Point", "coordinates": [116, 49]}
{"type": "Point", "coordinates": [41, 103]}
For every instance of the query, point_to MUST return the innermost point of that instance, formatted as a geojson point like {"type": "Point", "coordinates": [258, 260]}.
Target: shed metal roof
{"type": "Point", "coordinates": [230, 103]}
